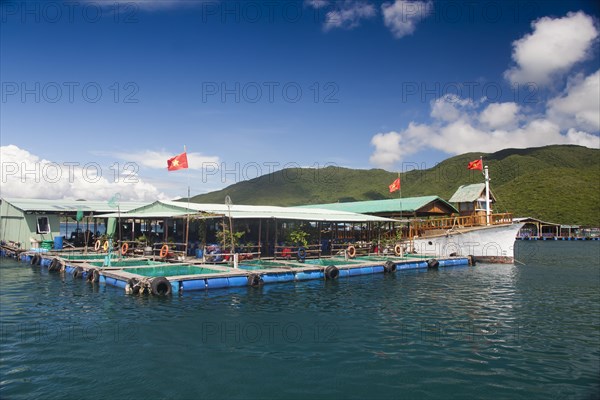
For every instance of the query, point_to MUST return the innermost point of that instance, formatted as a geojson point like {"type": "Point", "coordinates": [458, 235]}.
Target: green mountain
{"type": "Point", "coordinates": [554, 183]}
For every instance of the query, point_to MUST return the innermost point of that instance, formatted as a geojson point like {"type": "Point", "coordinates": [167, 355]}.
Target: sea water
{"type": "Point", "coordinates": [524, 331]}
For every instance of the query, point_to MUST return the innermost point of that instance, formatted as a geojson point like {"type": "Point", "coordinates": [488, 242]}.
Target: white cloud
{"type": "Point", "coordinates": [158, 159]}
{"type": "Point", "coordinates": [29, 176]}
{"type": "Point", "coordinates": [450, 108]}
{"type": "Point", "coordinates": [583, 139]}
{"type": "Point", "coordinates": [453, 131]}
{"type": "Point", "coordinates": [402, 16]}
{"type": "Point", "coordinates": [579, 106]}
{"type": "Point", "coordinates": [129, 7]}
{"type": "Point", "coordinates": [316, 3]}
{"type": "Point", "coordinates": [348, 14]}
{"type": "Point", "coordinates": [555, 45]}
{"type": "Point", "coordinates": [500, 115]}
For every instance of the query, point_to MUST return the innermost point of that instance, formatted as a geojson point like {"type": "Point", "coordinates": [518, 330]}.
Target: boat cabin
{"type": "Point", "coordinates": [470, 200]}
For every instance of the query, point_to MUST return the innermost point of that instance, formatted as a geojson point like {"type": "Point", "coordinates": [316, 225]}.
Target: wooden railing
{"type": "Point", "coordinates": [460, 222]}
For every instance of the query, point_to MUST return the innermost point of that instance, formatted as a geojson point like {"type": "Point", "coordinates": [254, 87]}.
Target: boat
{"type": "Point", "coordinates": [477, 231]}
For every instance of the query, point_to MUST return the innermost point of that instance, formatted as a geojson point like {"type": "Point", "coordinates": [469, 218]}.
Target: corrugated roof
{"type": "Point", "coordinates": [407, 205]}
{"type": "Point", "coordinates": [65, 206]}
{"type": "Point", "coordinates": [249, 212]}
{"type": "Point", "coordinates": [469, 193]}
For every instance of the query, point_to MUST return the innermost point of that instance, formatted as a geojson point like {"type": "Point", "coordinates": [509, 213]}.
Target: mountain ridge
{"type": "Point", "coordinates": [557, 183]}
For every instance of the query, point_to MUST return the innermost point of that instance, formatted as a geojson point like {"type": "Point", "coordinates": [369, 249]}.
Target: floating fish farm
{"type": "Point", "coordinates": [161, 278]}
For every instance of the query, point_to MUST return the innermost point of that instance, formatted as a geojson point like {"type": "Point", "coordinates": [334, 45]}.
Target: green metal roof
{"type": "Point", "coordinates": [407, 205]}
{"type": "Point", "coordinates": [70, 206]}
{"type": "Point", "coordinates": [469, 193]}
{"type": "Point", "coordinates": [164, 209]}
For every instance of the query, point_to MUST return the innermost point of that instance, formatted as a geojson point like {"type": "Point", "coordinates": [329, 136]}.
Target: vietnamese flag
{"type": "Point", "coordinates": [177, 162]}
{"type": "Point", "coordinates": [395, 185]}
{"type": "Point", "coordinates": [477, 164]}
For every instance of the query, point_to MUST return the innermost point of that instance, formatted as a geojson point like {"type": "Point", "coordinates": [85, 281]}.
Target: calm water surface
{"type": "Point", "coordinates": [519, 331]}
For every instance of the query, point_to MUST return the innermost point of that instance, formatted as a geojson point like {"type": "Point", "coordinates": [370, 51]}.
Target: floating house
{"type": "Point", "coordinates": [27, 223]}
{"type": "Point", "coordinates": [265, 226]}
{"type": "Point", "coordinates": [409, 207]}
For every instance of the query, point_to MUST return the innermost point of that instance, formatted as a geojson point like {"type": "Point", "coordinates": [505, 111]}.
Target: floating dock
{"type": "Point", "coordinates": [136, 275]}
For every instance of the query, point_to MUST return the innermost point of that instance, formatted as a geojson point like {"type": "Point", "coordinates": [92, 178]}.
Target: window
{"type": "Point", "coordinates": [43, 225]}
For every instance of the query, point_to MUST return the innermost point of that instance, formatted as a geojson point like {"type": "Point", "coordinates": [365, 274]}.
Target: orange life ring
{"type": "Point", "coordinates": [164, 250]}
{"type": "Point", "coordinates": [105, 246]}
{"type": "Point", "coordinates": [124, 248]}
{"type": "Point", "coordinates": [351, 251]}
{"type": "Point", "coordinates": [97, 245]}
{"type": "Point", "coordinates": [398, 250]}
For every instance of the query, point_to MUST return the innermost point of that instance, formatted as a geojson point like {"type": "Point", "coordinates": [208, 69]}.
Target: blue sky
{"type": "Point", "coordinates": [96, 98]}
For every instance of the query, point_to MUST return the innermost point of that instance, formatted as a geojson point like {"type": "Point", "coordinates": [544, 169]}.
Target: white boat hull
{"type": "Point", "coordinates": [493, 244]}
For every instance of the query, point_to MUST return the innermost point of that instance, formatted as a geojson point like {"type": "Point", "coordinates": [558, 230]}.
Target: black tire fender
{"type": "Point", "coordinates": [255, 280]}
{"type": "Point", "coordinates": [77, 272]}
{"type": "Point", "coordinates": [331, 272]}
{"type": "Point", "coordinates": [389, 266]}
{"type": "Point", "coordinates": [161, 286]}
{"type": "Point", "coordinates": [93, 275]}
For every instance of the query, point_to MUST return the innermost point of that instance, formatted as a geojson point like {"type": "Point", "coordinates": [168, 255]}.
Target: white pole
{"type": "Point", "coordinates": [488, 211]}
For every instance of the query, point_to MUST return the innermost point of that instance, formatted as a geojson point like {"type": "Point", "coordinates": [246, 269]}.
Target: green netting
{"type": "Point", "coordinates": [171, 270]}
{"type": "Point", "coordinates": [127, 263]}
{"type": "Point", "coordinates": [99, 257]}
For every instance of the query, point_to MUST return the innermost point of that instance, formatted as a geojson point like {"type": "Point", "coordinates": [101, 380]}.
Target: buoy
{"type": "Point", "coordinates": [105, 246]}
{"type": "Point", "coordinates": [331, 272]}
{"type": "Point", "coordinates": [351, 251]}
{"type": "Point", "coordinates": [97, 245]}
{"type": "Point", "coordinates": [160, 286]}
{"type": "Point", "coordinates": [389, 266]}
{"type": "Point", "coordinates": [301, 254]}
{"type": "Point", "coordinates": [164, 250]}
{"type": "Point", "coordinates": [124, 249]}
{"type": "Point", "coordinates": [433, 263]}
{"type": "Point", "coordinates": [398, 250]}
{"type": "Point", "coordinates": [254, 280]}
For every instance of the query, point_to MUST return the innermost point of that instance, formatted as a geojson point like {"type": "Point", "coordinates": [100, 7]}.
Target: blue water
{"type": "Point", "coordinates": [492, 331]}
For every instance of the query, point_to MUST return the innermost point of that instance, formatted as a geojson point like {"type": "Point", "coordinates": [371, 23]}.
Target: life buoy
{"type": "Point", "coordinates": [389, 266]}
{"type": "Point", "coordinates": [164, 250]}
{"type": "Point", "coordinates": [398, 250]}
{"type": "Point", "coordinates": [124, 248]}
{"type": "Point", "coordinates": [286, 253]}
{"type": "Point", "coordinates": [97, 245]}
{"type": "Point", "coordinates": [105, 246]}
{"type": "Point", "coordinates": [301, 254]}
{"type": "Point", "coordinates": [160, 286]}
{"type": "Point", "coordinates": [331, 272]}
{"type": "Point", "coordinates": [255, 280]}
{"type": "Point", "coordinates": [351, 251]}
{"type": "Point", "coordinates": [433, 263]}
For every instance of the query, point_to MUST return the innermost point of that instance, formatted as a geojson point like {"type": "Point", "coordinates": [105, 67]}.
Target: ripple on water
{"type": "Point", "coordinates": [508, 331]}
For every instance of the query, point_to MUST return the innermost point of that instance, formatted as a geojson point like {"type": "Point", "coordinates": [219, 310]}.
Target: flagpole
{"type": "Point", "coordinates": [487, 192]}
{"type": "Point", "coordinates": [400, 201]}
{"type": "Point", "coordinates": [187, 223]}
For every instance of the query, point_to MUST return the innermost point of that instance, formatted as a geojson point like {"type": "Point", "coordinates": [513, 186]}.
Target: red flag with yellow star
{"type": "Point", "coordinates": [177, 162]}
